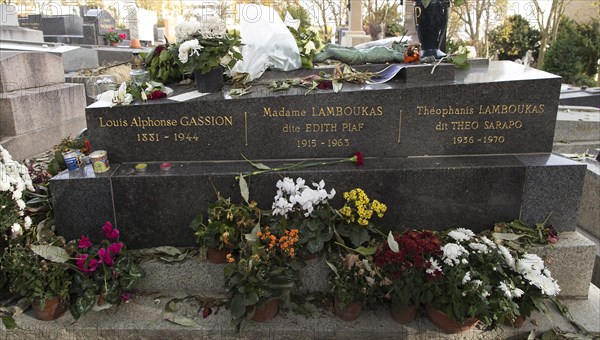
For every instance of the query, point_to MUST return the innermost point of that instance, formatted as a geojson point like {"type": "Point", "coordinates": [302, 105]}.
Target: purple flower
{"type": "Point", "coordinates": [125, 297]}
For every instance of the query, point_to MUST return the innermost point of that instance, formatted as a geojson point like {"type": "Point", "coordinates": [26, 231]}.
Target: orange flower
{"type": "Point", "coordinates": [230, 258]}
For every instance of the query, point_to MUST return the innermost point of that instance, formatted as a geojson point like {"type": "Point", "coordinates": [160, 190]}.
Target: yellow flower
{"type": "Point", "coordinates": [230, 258]}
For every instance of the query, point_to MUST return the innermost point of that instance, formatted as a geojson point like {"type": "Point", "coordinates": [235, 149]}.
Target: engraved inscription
{"type": "Point", "coordinates": [312, 132]}
{"type": "Point", "coordinates": [482, 124]}
{"type": "Point", "coordinates": [189, 127]}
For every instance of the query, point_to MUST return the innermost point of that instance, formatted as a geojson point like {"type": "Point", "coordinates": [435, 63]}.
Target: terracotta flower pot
{"type": "Point", "coordinates": [53, 309]}
{"type": "Point", "coordinates": [518, 322]}
{"type": "Point", "coordinates": [114, 43]}
{"type": "Point", "coordinates": [350, 312]}
{"type": "Point", "coordinates": [446, 324]}
{"type": "Point", "coordinates": [405, 315]}
{"type": "Point", "coordinates": [267, 312]}
{"type": "Point", "coordinates": [217, 256]}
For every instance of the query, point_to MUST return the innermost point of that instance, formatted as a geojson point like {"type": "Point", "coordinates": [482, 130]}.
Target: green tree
{"type": "Point", "coordinates": [513, 38]}
{"type": "Point", "coordinates": [572, 52]}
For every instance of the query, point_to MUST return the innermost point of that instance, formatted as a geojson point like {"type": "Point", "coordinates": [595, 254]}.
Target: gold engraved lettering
{"type": "Point", "coordinates": [108, 123]}
{"type": "Point", "coordinates": [149, 122]}
{"type": "Point", "coordinates": [340, 111]}
{"type": "Point", "coordinates": [503, 109]}
{"type": "Point", "coordinates": [324, 127]}
{"type": "Point", "coordinates": [465, 125]}
{"type": "Point", "coordinates": [283, 112]}
{"type": "Point", "coordinates": [352, 127]}
{"type": "Point", "coordinates": [444, 111]}
{"type": "Point", "coordinates": [291, 128]}
{"type": "Point", "coordinates": [502, 125]}
{"type": "Point", "coordinates": [206, 121]}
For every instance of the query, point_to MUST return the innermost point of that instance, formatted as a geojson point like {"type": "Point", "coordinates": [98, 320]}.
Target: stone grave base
{"type": "Point", "coordinates": [427, 192]}
{"type": "Point", "coordinates": [144, 318]}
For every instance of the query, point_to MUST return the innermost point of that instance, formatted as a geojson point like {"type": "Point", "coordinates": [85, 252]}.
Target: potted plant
{"type": "Point", "coordinates": [105, 272]}
{"type": "Point", "coordinates": [113, 37]}
{"type": "Point", "coordinates": [405, 260]}
{"type": "Point", "coordinates": [43, 282]}
{"type": "Point", "coordinates": [529, 283]}
{"type": "Point", "coordinates": [263, 274]}
{"type": "Point", "coordinates": [306, 209]}
{"type": "Point", "coordinates": [467, 286]}
{"type": "Point", "coordinates": [356, 215]}
{"type": "Point", "coordinates": [354, 281]}
{"type": "Point", "coordinates": [163, 64]}
{"type": "Point", "coordinates": [226, 226]}
{"type": "Point", "coordinates": [204, 49]}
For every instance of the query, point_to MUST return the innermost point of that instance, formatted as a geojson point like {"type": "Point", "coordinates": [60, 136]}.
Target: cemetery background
{"type": "Point", "coordinates": [266, 184]}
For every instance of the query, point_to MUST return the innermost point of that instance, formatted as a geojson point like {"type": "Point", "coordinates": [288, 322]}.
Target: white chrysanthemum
{"type": "Point", "coordinates": [508, 258]}
{"type": "Point", "coordinates": [186, 30]}
{"type": "Point", "coordinates": [479, 247]}
{"type": "Point", "coordinates": [16, 230]}
{"type": "Point", "coordinates": [27, 222]}
{"type": "Point", "coordinates": [452, 253]}
{"type": "Point", "coordinates": [434, 267]}
{"type": "Point", "coordinates": [466, 278]}
{"type": "Point", "coordinates": [488, 242]}
{"type": "Point", "coordinates": [21, 204]}
{"type": "Point", "coordinates": [461, 234]}
{"type": "Point", "coordinates": [510, 291]}
{"type": "Point", "coordinates": [188, 48]}
{"type": "Point", "coordinates": [212, 28]}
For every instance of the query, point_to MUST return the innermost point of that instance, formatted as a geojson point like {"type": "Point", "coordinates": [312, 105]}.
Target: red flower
{"type": "Point", "coordinates": [158, 50]}
{"type": "Point", "coordinates": [122, 36]}
{"type": "Point", "coordinates": [325, 85]}
{"type": "Point", "coordinates": [156, 94]}
{"type": "Point", "coordinates": [110, 232]}
{"type": "Point", "coordinates": [359, 158]}
{"type": "Point", "coordinates": [206, 312]}
{"type": "Point", "coordinates": [84, 242]}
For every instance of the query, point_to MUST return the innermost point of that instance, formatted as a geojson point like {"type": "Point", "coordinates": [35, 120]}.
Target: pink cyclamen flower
{"type": "Point", "coordinates": [115, 248]}
{"type": "Point", "coordinates": [80, 260]}
{"type": "Point", "coordinates": [84, 242]}
{"type": "Point", "coordinates": [105, 257]}
{"type": "Point", "coordinates": [110, 232]}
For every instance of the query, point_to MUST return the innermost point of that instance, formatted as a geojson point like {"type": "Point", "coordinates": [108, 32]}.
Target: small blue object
{"type": "Point", "coordinates": [71, 160]}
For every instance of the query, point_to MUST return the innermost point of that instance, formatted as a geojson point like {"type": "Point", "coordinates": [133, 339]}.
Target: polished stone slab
{"type": "Point", "coordinates": [156, 207]}
{"type": "Point", "coordinates": [500, 108]}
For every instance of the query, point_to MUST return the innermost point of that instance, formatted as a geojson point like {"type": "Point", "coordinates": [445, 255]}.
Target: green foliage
{"type": "Point", "coordinates": [574, 53]}
{"type": "Point", "coordinates": [513, 38]}
{"type": "Point", "coordinates": [354, 278]}
{"type": "Point", "coordinates": [213, 54]}
{"type": "Point", "coordinates": [265, 269]}
{"type": "Point", "coordinates": [227, 224]}
{"type": "Point", "coordinates": [298, 13]}
{"type": "Point", "coordinates": [163, 65]}
{"type": "Point", "coordinates": [105, 269]}
{"type": "Point", "coordinates": [33, 276]}
{"type": "Point", "coordinates": [317, 230]}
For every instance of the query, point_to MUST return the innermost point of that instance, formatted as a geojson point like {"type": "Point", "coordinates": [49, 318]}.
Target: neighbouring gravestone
{"type": "Point", "coordinates": [450, 149]}
{"type": "Point", "coordinates": [61, 28]}
{"type": "Point", "coordinates": [10, 29]}
{"type": "Point", "coordinates": [37, 108]}
{"type": "Point", "coordinates": [97, 23]}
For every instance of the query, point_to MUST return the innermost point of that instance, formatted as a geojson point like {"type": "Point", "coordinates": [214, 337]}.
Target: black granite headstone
{"type": "Point", "coordinates": [101, 19]}
{"type": "Point", "coordinates": [476, 113]}
{"type": "Point", "coordinates": [62, 25]}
